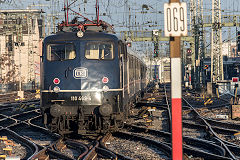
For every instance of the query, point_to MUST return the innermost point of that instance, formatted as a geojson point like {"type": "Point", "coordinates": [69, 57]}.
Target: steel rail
{"type": "Point", "coordinates": [57, 155]}
{"type": "Point", "coordinates": [216, 128]}
{"type": "Point", "coordinates": [32, 148]}
{"type": "Point", "coordinates": [166, 149]}
{"type": "Point", "coordinates": [9, 104]}
{"type": "Point", "coordinates": [97, 150]}
{"type": "Point", "coordinates": [30, 121]}
{"type": "Point", "coordinates": [6, 122]}
{"type": "Point", "coordinates": [225, 124]}
{"type": "Point", "coordinates": [49, 153]}
{"type": "Point", "coordinates": [82, 149]}
{"type": "Point", "coordinates": [32, 133]}
{"type": "Point", "coordinates": [3, 116]}
{"type": "Point", "coordinates": [218, 152]}
{"type": "Point", "coordinates": [102, 145]}
{"type": "Point", "coordinates": [45, 151]}
{"type": "Point", "coordinates": [168, 107]}
{"type": "Point", "coordinates": [106, 153]}
{"type": "Point", "coordinates": [24, 116]}
{"type": "Point", "coordinates": [45, 130]}
{"type": "Point", "coordinates": [230, 128]}
{"type": "Point", "coordinates": [152, 104]}
{"type": "Point", "coordinates": [212, 106]}
{"type": "Point", "coordinates": [92, 154]}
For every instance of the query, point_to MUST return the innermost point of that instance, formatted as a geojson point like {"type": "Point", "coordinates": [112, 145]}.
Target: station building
{"type": "Point", "coordinates": [21, 34]}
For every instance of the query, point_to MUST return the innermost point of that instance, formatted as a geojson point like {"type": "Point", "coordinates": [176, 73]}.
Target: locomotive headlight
{"type": "Point", "coordinates": [56, 89]}
{"type": "Point", "coordinates": [80, 34]}
{"type": "Point", "coordinates": [105, 88]}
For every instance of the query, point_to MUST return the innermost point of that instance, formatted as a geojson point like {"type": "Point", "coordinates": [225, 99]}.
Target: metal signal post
{"type": "Point", "coordinates": [176, 95]}
{"type": "Point", "coordinates": [175, 25]}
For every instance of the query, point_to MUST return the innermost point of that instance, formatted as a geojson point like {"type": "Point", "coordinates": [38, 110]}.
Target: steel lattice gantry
{"type": "Point", "coordinates": [196, 28]}
{"type": "Point", "coordinates": [201, 41]}
{"type": "Point", "coordinates": [216, 43]}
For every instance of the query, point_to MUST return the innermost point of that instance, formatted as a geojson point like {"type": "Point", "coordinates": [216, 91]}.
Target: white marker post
{"type": "Point", "coordinates": [175, 25]}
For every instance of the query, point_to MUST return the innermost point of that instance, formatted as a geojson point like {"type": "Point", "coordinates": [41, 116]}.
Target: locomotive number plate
{"type": "Point", "coordinates": [81, 98]}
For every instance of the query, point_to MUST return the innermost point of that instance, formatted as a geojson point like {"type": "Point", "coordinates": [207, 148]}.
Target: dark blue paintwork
{"type": "Point", "coordinates": [97, 69]}
{"type": "Point", "coordinates": [126, 74]}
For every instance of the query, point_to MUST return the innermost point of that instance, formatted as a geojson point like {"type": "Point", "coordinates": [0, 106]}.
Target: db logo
{"type": "Point", "coordinates": [80, 73]}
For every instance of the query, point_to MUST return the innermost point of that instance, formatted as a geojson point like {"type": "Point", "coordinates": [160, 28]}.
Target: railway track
{"type": "Point", "coordinates": [36, 134]}
{"type": "Point", "coordinates": [11, 97]}
{"type": "Point", "coordinates": [17, 108]}
{"type": "Point", "coordinates": [197, 134]}
{"type": "Point", "coordinates": [34, 141]}
{"type": "Point", "coordinates": [192, 146]}
{"type": "Point", "coordinates": [71, 148]}
{"type": "Point", "coordinates": [139, 146]}
{"type": "Point", "coordinates": [160, 116]}
{"type": "Point", "coordinates": [5, 122]}
{"type": "Point", "coordinates": [26, 115]}
{"type": "Point", "coordinates": [16, 146]}
{"type": "Point", "coordinates": [203, 137]}
{"type": "Point", "coordinates": [231, 153]}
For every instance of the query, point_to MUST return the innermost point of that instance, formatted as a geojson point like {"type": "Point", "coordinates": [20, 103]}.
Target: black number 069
{"type": "Point", "coordinates": [175, 21]}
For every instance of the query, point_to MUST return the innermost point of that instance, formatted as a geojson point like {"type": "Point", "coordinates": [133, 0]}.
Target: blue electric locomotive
{"type": "Point", "coordinates": [88, 82]}
{"type": "Point", "coordinates": [88, 79]}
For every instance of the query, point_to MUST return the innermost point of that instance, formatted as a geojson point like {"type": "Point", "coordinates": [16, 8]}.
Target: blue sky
{"type": "Point", "coordinates": [116, 12]}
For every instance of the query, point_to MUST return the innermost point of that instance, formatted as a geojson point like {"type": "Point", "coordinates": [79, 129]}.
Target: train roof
{"type": "Point", "coordinates": [134, 53]}
{"type": "Point", "coordinates": [88, 35]}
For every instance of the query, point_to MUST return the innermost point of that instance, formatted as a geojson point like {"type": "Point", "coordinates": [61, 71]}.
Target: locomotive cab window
{"type": "Point", "coordinates": [60, 52]}
{"type": "Point", "coordinates": [100, 51]}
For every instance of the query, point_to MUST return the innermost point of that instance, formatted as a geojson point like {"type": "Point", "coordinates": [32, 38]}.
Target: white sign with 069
{"type": "Point", "coordinates": [175, 19]}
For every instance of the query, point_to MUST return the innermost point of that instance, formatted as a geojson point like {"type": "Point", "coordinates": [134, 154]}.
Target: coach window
{"type": "Point", "coordinates": [60, 52]}
{"type": "Point", "coordinates": [100, 51]}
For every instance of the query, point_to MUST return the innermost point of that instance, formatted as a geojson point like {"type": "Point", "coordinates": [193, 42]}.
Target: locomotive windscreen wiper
{"type": "Point", "coordinates": [56, 55]}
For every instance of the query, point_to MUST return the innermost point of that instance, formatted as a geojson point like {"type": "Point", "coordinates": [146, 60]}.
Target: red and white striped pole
{"type": "Point", "coordinates": [176, 95]}
{"type": "Point", "coordinates": [175, 16]}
